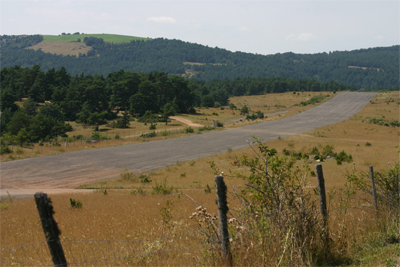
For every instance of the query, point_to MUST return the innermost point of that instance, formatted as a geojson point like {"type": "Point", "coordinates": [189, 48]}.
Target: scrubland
{"type": "Point", "coordinates": [155, 215]}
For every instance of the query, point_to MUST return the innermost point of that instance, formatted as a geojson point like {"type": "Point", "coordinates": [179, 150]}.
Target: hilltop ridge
{"type": "Point", "coordinates": [106, 53]}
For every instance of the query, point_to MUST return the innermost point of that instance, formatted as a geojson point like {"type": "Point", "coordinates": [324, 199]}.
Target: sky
{"type": "Point", "coordinates": [260, 27]}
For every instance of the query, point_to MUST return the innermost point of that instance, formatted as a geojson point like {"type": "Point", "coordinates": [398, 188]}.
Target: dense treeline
{"type": "Point", "coordinates": [53, 97]}
{"type": "Point", "coordinates": [220, 90]}
{"type": "Point", "coordinates": [364, 68]}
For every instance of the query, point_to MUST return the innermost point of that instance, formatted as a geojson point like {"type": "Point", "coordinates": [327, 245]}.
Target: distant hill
{"type": "Point", "coordinates": [104, 54]}
{"type": "Point", "coordinates": [109, 38]}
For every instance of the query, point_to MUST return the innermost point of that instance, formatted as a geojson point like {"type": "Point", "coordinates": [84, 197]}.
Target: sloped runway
{"type": "Point", "coordinates": [69, 170]}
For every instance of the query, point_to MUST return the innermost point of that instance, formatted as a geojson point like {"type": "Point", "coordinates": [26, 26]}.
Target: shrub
{"type": "Point", "coordinates": [314, 151]}
{"type": "Point", "coordinates": [232, 106]}
{"type": "Point", "coordinates": [286, 152]}
{"type": "Point", "coordinates": [313, 100]}
{"type": "Point", "coordinates": [368, 144]}
{"type": "Point", "coordinates": [162, 188]}
{"type": "Point", "coordinates": [208, 189]}
{"type": "Point", "coordinates": [189, 130]}
{"type": "Point", "coordinates": [139, 190]}
{"type": "Point", "coordinates": [327, 151]}
{"type": "Point", "coordinates": [127, 176]}
{"type": "Point", "coordinates": [149, 135]}
{"type": "Point", "coordinates": [282, 217]}
{"type": "Point", "coordinates": [144, 179]}
{"type": "Point", "coordinates": [5, 149]}
{"type": "Point", "coordinates": [153, 126]}
{"type": "Point", "coordinates": [19, 151]}
{"type": "Point", "coordinates": [244, 110]}
{"type": "Point", "coordinates": [387, 183]}
{"type": "Point", "coordinates": [220, 124]}
{"type": "Point", "coordinates": [96, 135]}
{"type": "Point", "coordinates": [260, 114]}
{"type": "Point", "coordinates": [205, 128]}
{"type": "Point", "coordinates": [164, 133]}
{"type": "Point", "coordinates": [116, 137]}
{"type": "Point", "coordinates": [75, 203]}
{"type": "Point", "coordinates": [251, 117]}
{"type": "Point", "coordinates": [343, 157]}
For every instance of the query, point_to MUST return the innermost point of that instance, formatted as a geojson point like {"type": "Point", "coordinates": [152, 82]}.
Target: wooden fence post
{"type": "Point", "coordinates": [322, 205]}
{"type": "Point", "coordinates": [50, 228]}
{"type": "Point", "coordinates": [321, 190]}
{"type": "Point", "coordinates": [223, 220]}
{"type": "Point", "coordinates": [371, 175]}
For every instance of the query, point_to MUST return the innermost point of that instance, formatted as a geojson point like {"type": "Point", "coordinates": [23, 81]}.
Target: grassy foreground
{"type": "Point", "coordinates": [147, 218]}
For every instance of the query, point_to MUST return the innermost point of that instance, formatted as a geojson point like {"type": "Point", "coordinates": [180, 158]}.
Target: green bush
{"type": "Point", "coordinates": [244, 110]}
{"type": "Point", "coordinates": [149, 135]}
{"type": "Point", "coordinates": [283, 218]}
{"type": "Point", "coordinates": [164, 133]}
{"type": "Point", "coordinates": [387, 184]}
{"type": "Point", "coordinates": [343, 157]}
{"type": "Point", "coordinates": [153, 126]}
{"type": "Point", "coordinates": [144, 179]}
{"type": "Point", "coordinates": [313, 100]}
{"type": "Point", "coordinates": [251, 117]}
{"type": "Point", "coordinates": [162, 188]}
{"type": "Point", "coordinates": [75, 203]}
{"type": "Point", "coordinates": [96, 135]}
{"type": "Point", "coordinates": [189, 130]}
{"type": "Point", "coordinates": [127, 176]}
{"type": "Point", "coordinates": [205, 128]}
{"type": "Point", "coordinates": [5, 149]}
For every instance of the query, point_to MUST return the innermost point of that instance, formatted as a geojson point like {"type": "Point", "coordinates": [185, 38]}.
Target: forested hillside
{"type": "Point", "coordinates": [365, 68]}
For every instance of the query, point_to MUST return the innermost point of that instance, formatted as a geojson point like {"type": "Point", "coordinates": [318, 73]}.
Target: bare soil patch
{"type": "Point", "coordinates": [63, 48]}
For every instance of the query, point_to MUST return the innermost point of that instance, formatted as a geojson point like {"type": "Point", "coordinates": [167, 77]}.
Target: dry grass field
{"type": "Point", "coordinates": [62, 48]}
{"type": "Point", "coordinates": [130, 210]}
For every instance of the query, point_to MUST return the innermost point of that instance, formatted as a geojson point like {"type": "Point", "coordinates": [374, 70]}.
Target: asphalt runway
{"type": "Point", "coordinates": [69, 170]}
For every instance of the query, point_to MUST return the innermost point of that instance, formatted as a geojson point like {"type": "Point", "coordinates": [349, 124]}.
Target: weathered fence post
{"type": "Point", "coordinates": [371, 175]}
{"type": "Point", "coordinates": [321, 190]}
{"type": "Point", "coordinates": [50, 228]}
{"type": "Point", "coordinates": [322, 205]}
{"type": "Point", "coordinates": [223, 220]}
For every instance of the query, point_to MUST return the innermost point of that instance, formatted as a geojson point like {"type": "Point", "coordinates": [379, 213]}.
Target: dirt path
{"type": "Point", "coordinates": [186, 121]}
{"type": "Point", "coordinates": [69, 170]}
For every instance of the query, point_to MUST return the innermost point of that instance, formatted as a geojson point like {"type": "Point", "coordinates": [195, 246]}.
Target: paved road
{"type": "Point", "coordinates": [69, 170]}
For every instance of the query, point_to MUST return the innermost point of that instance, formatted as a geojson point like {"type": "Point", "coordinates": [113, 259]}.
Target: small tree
{"type": "Point", "coordinates": [244, 110]}
{"type": "Point", "coordinates": [168, 110]}
{"type": "Point", "coordinates": [98, 118]}
{"type": "Point", "coordinates": [30, 107]}
{"type": "Point", "coordinates": [84, 115]}
{"type": "Point", "coordinates": [124, 121]}
{"type": "Point", "coordinates": [22, 136]}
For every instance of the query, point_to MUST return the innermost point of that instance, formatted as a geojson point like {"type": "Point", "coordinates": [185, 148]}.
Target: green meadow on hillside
{"type": "Point", "coordinates": [110, 38]}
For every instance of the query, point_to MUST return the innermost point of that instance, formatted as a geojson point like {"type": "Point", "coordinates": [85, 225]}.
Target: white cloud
{"type": "Point", "coordinates": [243, 29]}
{"type": "Point", "coordinates": [304, 37]}
{"type": "Point", "coordinates": [165, 20]}
{"type": "Point", "coordinates": [290, 37]}
{"type": "Point", "coordinates": [379, 37]}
